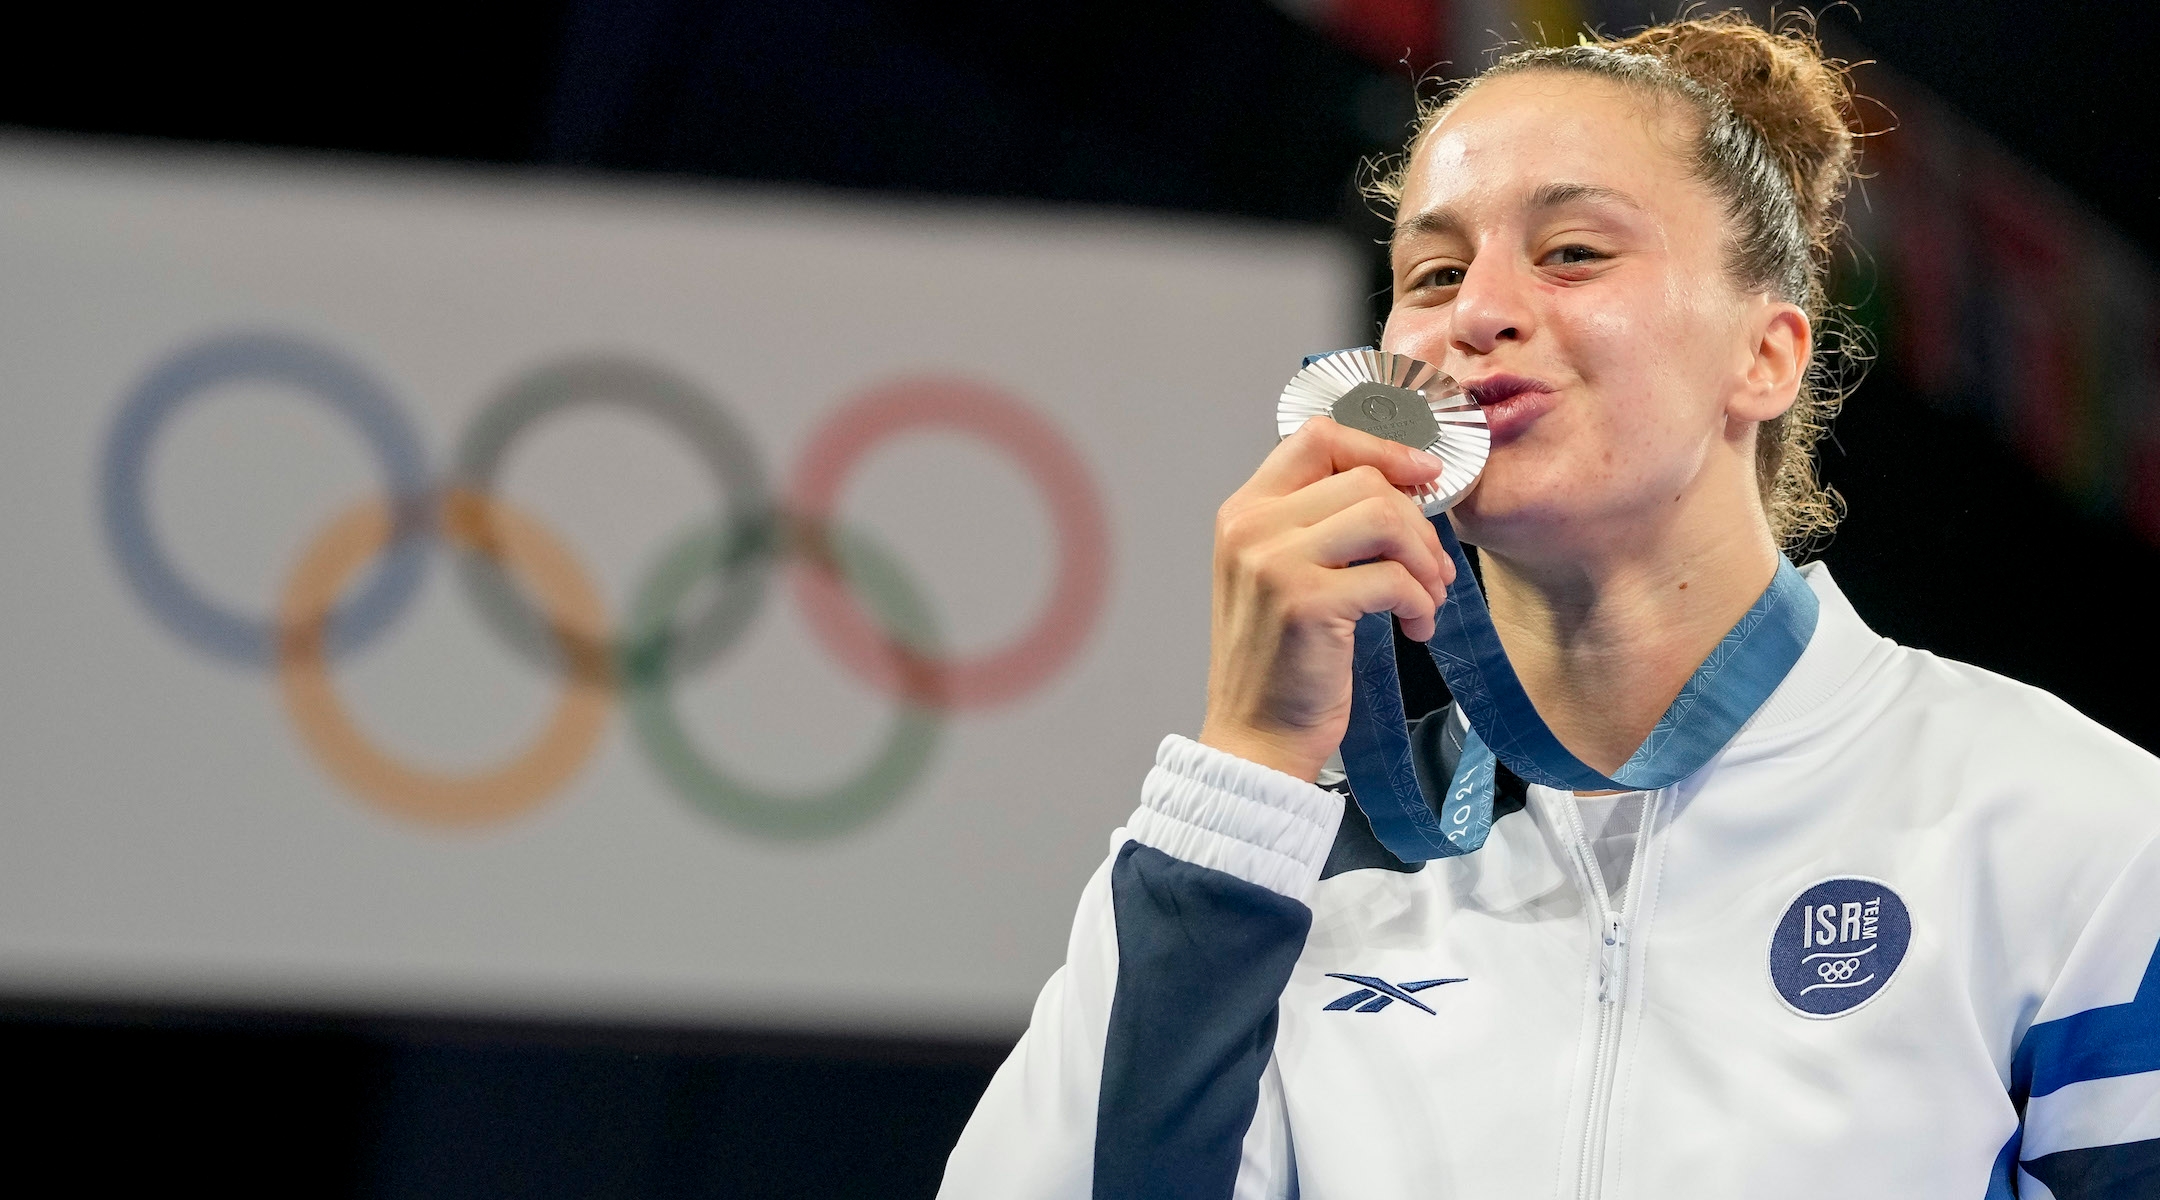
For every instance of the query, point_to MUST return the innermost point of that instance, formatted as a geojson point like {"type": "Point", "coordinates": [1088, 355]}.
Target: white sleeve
{"type": "Point", "coordinates": [1219, 858]}
{"type": "Point", "coordinates": [1267, 1169]}
{"type": "Point", "coordinates": [1033, 1132]}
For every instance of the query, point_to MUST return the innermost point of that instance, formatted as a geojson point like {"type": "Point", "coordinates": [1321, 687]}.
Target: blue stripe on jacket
{"type": "Point", "coordinates": [2128, 1171]}
{"type": "Point", "coordinates": [1203, 958]}
{"type": "Point", "coordinates": [2099, 1043]}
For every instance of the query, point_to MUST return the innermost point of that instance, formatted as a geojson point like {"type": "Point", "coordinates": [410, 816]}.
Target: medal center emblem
{"type": "Point", "coordinates": [1384, 410]}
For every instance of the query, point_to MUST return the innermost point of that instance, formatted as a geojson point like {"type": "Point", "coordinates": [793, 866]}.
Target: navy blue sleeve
{"type": "Point", "coordinates": [2127, 1171]}
{"type": "Point", "coordinates": [1203, 958]}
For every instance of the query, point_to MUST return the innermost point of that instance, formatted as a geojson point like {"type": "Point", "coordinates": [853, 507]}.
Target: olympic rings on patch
{"type": "Point", "coordinates": [860, 602]}
{"type": "Point", "coordinates": [932, 402]}
{"type": "Point", "coordinates": [1843, 968]}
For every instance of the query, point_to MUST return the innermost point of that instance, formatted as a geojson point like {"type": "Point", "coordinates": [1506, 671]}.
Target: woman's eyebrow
{"type": "Point", "coordinates": [1443, 222]}
{"type": "Point", "coordinates": [1437, 221]}
{"type": "Point", "coordinates": [1555, 195]}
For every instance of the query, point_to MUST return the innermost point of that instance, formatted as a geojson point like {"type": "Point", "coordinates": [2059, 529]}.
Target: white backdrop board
{"type": "Point", "coordinates": [209, 361]}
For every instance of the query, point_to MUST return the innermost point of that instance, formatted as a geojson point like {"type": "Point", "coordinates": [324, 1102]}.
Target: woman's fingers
{"type": "Point", "coordinates": [1315, 502]}
{"type": "Point", "coordinates": [1322, 448]}
{"type": "Point", "coordinates": [1383, 527]}
{"type": "Point", "coordinates": [1319, 536]}
{"type": "Point", "coordinates": [1332, 496]}
{"type": "Point", "coordinates": [1387, 587]}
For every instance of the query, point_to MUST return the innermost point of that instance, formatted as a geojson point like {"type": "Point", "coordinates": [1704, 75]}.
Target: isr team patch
{"type": "Point", "coordinates": [1838, 945]}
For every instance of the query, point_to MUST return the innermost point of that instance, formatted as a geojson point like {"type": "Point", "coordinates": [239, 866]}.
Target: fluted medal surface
{"type": "Point", "coordinates": [1399, 398]}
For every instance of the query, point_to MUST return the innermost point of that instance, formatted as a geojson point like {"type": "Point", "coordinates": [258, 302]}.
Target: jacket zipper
{"type": "Point", "coordinates": [1612, 983]}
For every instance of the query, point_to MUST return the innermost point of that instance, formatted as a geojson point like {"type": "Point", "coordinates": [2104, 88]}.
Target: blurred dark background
{"type": "Point", "coordinates": [1972, 530]}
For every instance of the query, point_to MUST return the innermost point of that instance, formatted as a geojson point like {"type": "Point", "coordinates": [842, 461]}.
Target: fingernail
{"type": "Point", "coordinates": [1428, 460]}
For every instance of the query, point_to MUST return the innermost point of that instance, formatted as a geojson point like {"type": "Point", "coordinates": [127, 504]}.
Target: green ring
{"type": "Point", "coordinates": [909, 743]}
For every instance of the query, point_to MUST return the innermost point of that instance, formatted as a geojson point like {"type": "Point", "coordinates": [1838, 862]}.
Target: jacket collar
{"type": "Point", "coordinates": [1840, 648]}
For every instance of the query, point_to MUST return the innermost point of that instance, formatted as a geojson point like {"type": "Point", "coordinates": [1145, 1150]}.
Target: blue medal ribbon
{"type": "Point", "coordinates": [1738, 676]}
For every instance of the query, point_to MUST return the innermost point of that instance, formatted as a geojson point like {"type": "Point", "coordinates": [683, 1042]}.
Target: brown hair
{"type": "Point", "coordinates": [1774, 143]}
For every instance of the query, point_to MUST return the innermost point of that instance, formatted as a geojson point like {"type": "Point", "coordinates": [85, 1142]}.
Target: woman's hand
{"type": "Point", "coordinates": [1287, 598]}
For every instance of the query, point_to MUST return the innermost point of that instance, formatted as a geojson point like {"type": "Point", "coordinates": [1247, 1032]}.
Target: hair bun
{"type": "Point", "coordinates": [1780, 83]}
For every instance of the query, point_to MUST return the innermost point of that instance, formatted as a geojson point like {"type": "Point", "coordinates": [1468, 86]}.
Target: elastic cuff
{"type": "Point", "coordinates": [1215, 810]}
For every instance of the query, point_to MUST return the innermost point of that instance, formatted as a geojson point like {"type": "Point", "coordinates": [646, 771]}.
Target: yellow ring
{"type": "Point", "coordinates": [478, 525]}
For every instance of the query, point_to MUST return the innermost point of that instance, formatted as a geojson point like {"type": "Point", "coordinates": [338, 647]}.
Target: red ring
{"type": "Point", "coordinates": [945, 402]}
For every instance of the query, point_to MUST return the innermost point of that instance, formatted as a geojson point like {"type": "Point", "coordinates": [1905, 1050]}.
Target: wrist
{"type": "Point", "coordinates": [1276, 753]}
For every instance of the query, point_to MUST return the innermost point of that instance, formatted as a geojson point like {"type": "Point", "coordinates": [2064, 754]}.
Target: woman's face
{"type": "Point", "coordinates": [1556, 255]}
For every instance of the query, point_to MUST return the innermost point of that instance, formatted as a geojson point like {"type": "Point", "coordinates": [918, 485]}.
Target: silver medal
{"type": "Point", "coordinates": [1401, 399]}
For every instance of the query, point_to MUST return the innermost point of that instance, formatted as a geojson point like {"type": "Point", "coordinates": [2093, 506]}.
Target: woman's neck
{"type": "Point", "coordinates": [1603, 647]}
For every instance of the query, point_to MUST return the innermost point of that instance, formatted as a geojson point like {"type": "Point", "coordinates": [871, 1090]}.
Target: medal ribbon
{"type": "Point", "coordinates": [1747, 665]}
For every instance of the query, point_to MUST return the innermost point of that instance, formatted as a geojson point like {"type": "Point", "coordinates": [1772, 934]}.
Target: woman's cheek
{"type": "Point", "coordinates": [1604, 341]}
{"type": "Point", "coordinates": [1418, 332]}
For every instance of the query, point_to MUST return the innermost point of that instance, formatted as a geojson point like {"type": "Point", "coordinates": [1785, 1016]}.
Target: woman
{"type": "Point", "coordinates": [1891, 933]}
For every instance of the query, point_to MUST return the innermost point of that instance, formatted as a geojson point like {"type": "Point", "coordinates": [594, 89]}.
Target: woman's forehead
{"type": "Point", "coordinates": [1510, 141]}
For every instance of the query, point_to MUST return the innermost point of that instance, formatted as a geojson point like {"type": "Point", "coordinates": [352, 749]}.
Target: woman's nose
{"type": "Point", "coordinates": [1491, 307]}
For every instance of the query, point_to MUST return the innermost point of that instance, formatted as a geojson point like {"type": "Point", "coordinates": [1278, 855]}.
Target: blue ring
{"type": "Point", "coordinates": [305, 366]}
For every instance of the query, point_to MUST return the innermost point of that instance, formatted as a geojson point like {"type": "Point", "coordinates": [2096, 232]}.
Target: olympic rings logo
{"type": "Point", "coordinates": [859, 601]}
{"type": "Point", "coordinates": [1832, 972]}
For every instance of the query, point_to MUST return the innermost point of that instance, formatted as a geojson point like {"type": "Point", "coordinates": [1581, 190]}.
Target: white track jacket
{"type": "Point", "coordinates": [1896, 940]}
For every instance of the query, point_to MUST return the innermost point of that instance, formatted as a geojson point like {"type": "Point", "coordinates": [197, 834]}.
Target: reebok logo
{"type": "Point", "coordinates": [1373, 993]}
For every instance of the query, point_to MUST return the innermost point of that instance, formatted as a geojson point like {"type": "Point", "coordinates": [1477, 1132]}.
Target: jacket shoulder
{"type": "Point", "coordinates": [2012, 740]}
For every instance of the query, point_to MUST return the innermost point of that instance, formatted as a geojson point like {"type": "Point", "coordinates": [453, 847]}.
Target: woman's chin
{"type": "Point", "coordinates": [1518, 517]}
{"type": "Point", "coordinates": [1489, 516]}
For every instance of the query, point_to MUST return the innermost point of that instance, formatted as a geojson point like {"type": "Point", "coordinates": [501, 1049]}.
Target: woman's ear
{"type": "Point", "coordinates": [1778, 364]}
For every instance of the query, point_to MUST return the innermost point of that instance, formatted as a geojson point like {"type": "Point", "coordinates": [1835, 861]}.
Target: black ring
{"type": "Point", "coordinates": [710, 432]}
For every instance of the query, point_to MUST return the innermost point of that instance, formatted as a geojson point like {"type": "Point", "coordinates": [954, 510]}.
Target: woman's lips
{"type": "Point", "coordinates": [1510, 403]}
